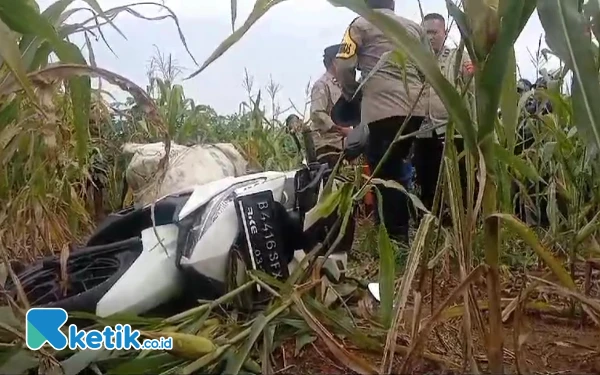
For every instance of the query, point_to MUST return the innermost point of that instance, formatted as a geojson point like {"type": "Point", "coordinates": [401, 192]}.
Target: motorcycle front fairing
{"type": "Point", "coordinates": [209, 235]}
{"type": "Point", "coordinates": [200, 239]}
{"type": "Point", "coordinates": [152, 279]}
{"type": "Point", "coordinates": [156, 277]}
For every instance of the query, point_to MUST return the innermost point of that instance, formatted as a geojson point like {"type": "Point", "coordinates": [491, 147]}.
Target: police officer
{"type": "Point", "coordinates": [429, 146]}
{"type": "Point", "coordinates": [325, 93]}
{"type": "Point", "coordinates": [387, 98]}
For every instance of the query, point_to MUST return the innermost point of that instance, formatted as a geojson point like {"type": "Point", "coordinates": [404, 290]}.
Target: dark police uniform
{"type": "Point", "coordinates": [387, 98]}
{"type": "Point", "coordinates": [429, 147]}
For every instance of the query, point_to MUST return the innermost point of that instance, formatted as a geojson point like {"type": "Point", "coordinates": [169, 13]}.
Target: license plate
{"type": "Point", "coordinates": [263, 234]}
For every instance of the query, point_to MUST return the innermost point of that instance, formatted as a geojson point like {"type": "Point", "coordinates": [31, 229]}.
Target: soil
{"type": "Point", "coordinates": [552, 348]}
{"type": "Point", "coordinates": [553, 343]}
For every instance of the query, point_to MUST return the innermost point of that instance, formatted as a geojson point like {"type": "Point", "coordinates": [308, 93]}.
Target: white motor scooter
{"type": "Point", "coordinates": [260, 214]}
{"type": "Point", "coordinates": [183, 244]}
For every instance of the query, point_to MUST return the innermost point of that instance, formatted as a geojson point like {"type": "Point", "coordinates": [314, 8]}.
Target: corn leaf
{"type": "Point", "coordinates": [531, 239]}
{"type": "Point", "coordinates": [260, 8]}
{"type": "Point", "coordinates": [395, 185]}
{"type": "Point", "coordinates": [233, 14]}
{"type": "Point", "coordinates": [564, 27]}
{"type": "Point", "coordinates": [9, 51]}
{"type": "Point", "coordinates": [147, 365]}
{"type": "Point", "coordinates": [489, 87]}
{"type": "Point", "coordinates": [404, 291]}
{"type": "Point", "coordinates": [184, 345]}
{"type": "Point", "coordinates": [387, 269]}
{"type": "Point", "coordinates": [516, 163]}
{"type": "Point", "coordinates": [353, 362]}
{"type": "Point", "coordinates": [327, 206]}
{"type": "Point", "coordinates": [466, 32]}
{"type": "Point", "coordinates": [81, 95]}
{"type": "Point", "coordinates": [587, 230]}
{"type": "Point", "coordinates": [17, 361]}
{"type": "Point", "coordinates": [437, 316]}
{"type": "Point", "coordinates": [26, 20]}
{"type": "Point", "coordinates": [302, 341]}
{"type": "Point", "coordinates": [237, 361]}
{"type": "Point", "coordinates": [509, 103]}
{"type": "Point", "coordinates": [82, 359]}
{"type": "Point", "coordinates": [31, 43]}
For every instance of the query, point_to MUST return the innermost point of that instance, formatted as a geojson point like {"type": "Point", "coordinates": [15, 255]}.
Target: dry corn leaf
{"type": "Point", "coordinates": [343, 356]}
{"type": "Point", "coordinates": [184, 345]}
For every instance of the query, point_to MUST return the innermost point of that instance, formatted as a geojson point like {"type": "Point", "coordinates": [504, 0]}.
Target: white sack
{"type": "Point", "coordinates": [188, 166]}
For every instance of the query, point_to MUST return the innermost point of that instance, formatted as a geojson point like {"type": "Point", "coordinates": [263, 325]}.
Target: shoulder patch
{"type": "Point", "coordinates": [348, 46]}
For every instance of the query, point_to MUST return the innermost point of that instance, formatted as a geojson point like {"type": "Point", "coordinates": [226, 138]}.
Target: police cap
{"type": "Point", "coordinates": [331, 51]}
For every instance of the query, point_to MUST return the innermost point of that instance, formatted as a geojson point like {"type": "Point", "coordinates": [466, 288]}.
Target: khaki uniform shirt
{"type": "Point", "coordinates": [436, 110]}
{"type": "Point", "coordinates": [324, 94]}
{"type": "Point", "coordinates": [392, 89]}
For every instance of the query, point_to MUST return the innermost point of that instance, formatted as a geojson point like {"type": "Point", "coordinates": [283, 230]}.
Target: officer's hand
{"type": "Point", "coordinates": [468, 68]}
{"type": "Point", "coordinates": [343, 130]}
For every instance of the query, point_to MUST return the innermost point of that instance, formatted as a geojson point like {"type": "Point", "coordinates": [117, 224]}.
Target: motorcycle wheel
{"type": "Point", "coordinates": [91, 272]}
{"type": "Point", "coordinates": [250, 299]}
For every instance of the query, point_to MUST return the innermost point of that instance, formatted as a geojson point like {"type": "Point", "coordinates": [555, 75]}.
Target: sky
{"type": "Point", "coordinates": [284, 46]}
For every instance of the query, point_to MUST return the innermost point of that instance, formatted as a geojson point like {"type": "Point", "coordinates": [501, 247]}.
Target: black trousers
{"type": "Point", "coordinates": [427, 160]}
{"type": "Point", "coordinates": [395, 204]}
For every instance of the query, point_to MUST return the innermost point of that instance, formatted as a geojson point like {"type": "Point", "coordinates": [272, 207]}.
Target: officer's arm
{"type": "Point", "coordinates": [347, 60]}
{"type": "Point", "coordinates": [320, 119]}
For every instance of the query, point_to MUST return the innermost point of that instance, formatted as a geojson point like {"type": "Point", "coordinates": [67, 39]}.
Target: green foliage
{"type": "Point", "coordinates": [49, 172]}
{"type": "Point", "coordinates": [58, 135]}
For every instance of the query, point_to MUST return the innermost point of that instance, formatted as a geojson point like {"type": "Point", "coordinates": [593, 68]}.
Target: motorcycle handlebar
{"type": "Point", "coordinates": [313, 184]}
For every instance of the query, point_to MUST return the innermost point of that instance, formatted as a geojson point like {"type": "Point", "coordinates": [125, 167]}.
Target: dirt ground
{"type": "Point", "coordinates": [555, 343]}
{"type": "Point", "coordinates": [551, 349]}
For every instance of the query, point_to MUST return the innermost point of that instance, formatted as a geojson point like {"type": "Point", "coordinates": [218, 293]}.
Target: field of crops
{"type": "Point", "coordinates": [506, 288]}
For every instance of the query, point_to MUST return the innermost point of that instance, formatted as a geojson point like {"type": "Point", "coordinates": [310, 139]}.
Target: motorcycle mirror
{"type": "Point", "coordinates": [374, 290]}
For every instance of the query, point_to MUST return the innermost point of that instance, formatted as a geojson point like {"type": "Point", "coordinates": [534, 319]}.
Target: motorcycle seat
{"type": "Point", "coordinates": [131, 221]}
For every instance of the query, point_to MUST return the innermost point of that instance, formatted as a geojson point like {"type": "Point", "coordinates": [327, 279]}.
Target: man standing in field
{"type": "Point", "coordinates": [387, 98]}
{"type": "Point", "coordinates": [429, 146]}
{"type": "Point", "coordinates": [326, 91]}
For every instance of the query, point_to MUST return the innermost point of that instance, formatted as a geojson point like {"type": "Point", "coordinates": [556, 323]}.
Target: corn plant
{"type": "Point", "coordinates": [52, 120]}
{"type": "Point", "coordinates": [489, 30]}
{"type": "Point", "coordinates": [558, 157]}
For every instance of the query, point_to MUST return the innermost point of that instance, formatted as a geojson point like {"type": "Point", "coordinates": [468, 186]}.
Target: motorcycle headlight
{"type": "Point", "coordinates": [193, 227]}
